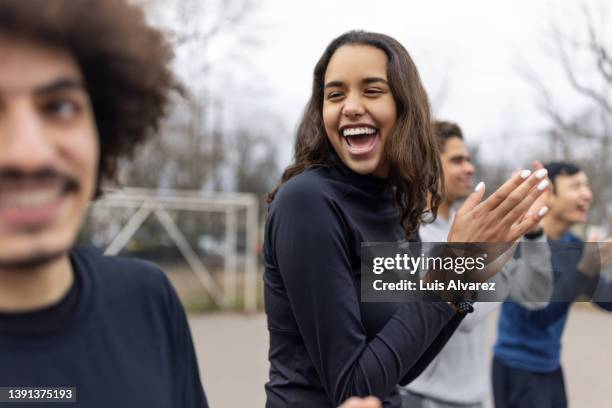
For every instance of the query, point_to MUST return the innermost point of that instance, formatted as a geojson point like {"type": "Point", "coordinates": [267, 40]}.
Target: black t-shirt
{"type": "Point", "coordinates": [120, 336]}
{"type": "Point", "coordinates": [326, 345]}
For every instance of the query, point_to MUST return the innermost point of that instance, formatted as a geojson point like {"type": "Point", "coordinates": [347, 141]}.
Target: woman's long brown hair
{"type": "Point", "coordinates": [410, 149]}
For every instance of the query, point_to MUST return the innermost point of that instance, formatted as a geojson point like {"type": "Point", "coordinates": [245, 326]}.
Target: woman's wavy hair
{"type": "Point", "coordinates": [410, 149]}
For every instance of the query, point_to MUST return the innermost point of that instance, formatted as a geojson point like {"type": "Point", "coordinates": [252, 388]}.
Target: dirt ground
{"type": "Point", "coordinates": [232, 352]}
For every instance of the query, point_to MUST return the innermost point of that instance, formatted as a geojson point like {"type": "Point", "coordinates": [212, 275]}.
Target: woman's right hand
{"type": "Point", "coordinates": [504, 217]}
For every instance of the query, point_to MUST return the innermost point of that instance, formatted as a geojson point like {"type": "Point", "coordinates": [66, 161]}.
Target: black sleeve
{"type": "Point", "coordinates": [310, 243]}
{"type": "Point", "coordinates": [189, 390]}
{"type": "Point", "coordinates": [433, 350]}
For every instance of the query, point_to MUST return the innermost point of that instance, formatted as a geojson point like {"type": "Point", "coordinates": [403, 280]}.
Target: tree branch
{"type": "Point", "coordinates": [568, 69]}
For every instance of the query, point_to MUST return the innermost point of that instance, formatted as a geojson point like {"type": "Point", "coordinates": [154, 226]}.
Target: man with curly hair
{"type": "Point", "coordinates": [81, 83]}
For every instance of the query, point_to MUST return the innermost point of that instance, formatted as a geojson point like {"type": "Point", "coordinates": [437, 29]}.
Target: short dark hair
{"type": "Point", "coordinates": [445, 130]}
{"type": "Point", "coordinates": [561, 168]}
{"type": "Point", "coordinates": [124, 61]}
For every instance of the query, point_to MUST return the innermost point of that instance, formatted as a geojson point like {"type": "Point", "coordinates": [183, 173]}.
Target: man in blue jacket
{"type": "Point", "coordinates": [526, 367]}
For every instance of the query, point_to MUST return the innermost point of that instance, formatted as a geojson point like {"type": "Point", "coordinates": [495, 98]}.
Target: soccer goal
{"type": "Point", "coordinates": [236, 242]}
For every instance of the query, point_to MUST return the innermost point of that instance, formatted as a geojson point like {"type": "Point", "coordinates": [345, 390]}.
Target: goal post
{"type": "Point", "coordinates": [160, 203]}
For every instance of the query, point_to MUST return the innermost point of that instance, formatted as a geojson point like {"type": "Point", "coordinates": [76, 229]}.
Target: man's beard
{"type": "Point", "coordinates": [30, 263]}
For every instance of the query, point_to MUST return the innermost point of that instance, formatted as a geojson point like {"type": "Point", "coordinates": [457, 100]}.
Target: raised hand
{"type": "Point", "coordinates": [506, 215]}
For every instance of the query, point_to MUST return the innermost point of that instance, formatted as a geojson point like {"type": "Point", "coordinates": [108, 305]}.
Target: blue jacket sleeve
{"type": "Point", "coordinates": [311, 246]}
{"type": "Point", "coordinates": [602, 296]}
{"type": "Point", "coordinates": [568, 287]}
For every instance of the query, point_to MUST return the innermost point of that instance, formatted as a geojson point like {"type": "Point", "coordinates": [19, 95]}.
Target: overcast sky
{"type": "Point", "coordinates": [469, 54]}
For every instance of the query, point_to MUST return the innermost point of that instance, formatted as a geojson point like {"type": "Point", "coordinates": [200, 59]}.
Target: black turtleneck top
{"type": "Point", "coordinates": [326, 345]}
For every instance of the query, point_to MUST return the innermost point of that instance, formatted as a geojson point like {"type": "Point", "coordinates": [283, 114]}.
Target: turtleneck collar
{"type": "Point", "coordinates": [366, 182]}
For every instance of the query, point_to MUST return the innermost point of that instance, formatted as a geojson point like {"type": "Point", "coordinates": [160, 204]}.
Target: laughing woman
{"type": "Point", "coordinates": [365, 164]}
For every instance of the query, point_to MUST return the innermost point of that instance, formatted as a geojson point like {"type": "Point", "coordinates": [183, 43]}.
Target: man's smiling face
{"type": "Point", "coordinates": [48, 152]}
{"type": "Point", "coordinates": [572, 198]}
{"type": "Point", "coordinates": [458, 169]}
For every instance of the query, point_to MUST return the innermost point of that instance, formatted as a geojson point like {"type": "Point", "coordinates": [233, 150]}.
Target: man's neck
{"type": "Point", "coordinates": [27, 290]}
{"type": "Point", "coordinates": [444, 210]}
{"type": "Point", "coordinates": [554, 228]}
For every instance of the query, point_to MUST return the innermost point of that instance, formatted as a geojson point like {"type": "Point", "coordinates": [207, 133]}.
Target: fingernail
{"type": "Point", "coordinates": [525, 174]}
{"type": "Point", "coordinates": [541, 174]}
{"type": "Point", "coordinates": [543, 211]}
{"type": "Point", "coordinates": [479, 186]}
{"type": "Point", "coordinates": [543, 184]}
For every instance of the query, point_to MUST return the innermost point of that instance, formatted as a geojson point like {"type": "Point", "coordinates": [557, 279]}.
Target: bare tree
{"type": "Point", "coordinates": [212, 39]}
{"type": "Point", "coordinates": [583, 135]}
{"type": "Point", "coordinates": [255, 164]}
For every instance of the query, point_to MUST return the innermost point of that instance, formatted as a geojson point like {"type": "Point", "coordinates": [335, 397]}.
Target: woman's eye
{"type": "Point", "coordinates": [334, 95]}
{"type": "Point", "coordinates": [62, 109]}
{"type": "Point", "coordinates": [373, 91]}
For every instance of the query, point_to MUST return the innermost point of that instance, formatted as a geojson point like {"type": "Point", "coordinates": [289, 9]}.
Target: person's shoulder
{"type": "Point", "coordinates": [116, 264]}
{"type": "Point", "coordinates": [125, 274]}
{"type": "Point", "coordinates": [130, 293]}
{"type": "Point", "coordinates": [311, 187]}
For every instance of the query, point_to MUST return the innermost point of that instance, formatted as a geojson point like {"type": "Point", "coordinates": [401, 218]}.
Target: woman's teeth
{"type": "Point", "coordinates": [358, 131]}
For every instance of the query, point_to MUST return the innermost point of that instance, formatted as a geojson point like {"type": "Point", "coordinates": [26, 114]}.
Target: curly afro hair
{"type": "Point", "coordinates": [125, 63]}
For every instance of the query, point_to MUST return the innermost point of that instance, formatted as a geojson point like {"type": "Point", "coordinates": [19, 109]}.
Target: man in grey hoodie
{"type": "Point", "coordinates": [458, 376]}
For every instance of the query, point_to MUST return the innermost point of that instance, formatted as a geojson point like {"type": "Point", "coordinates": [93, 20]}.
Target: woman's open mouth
{"type": "Point", "coordinates": [360, 140]}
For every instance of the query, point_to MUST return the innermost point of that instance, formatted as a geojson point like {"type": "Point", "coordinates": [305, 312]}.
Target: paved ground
{"type": "Point", "coordinates": [232, 354]}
